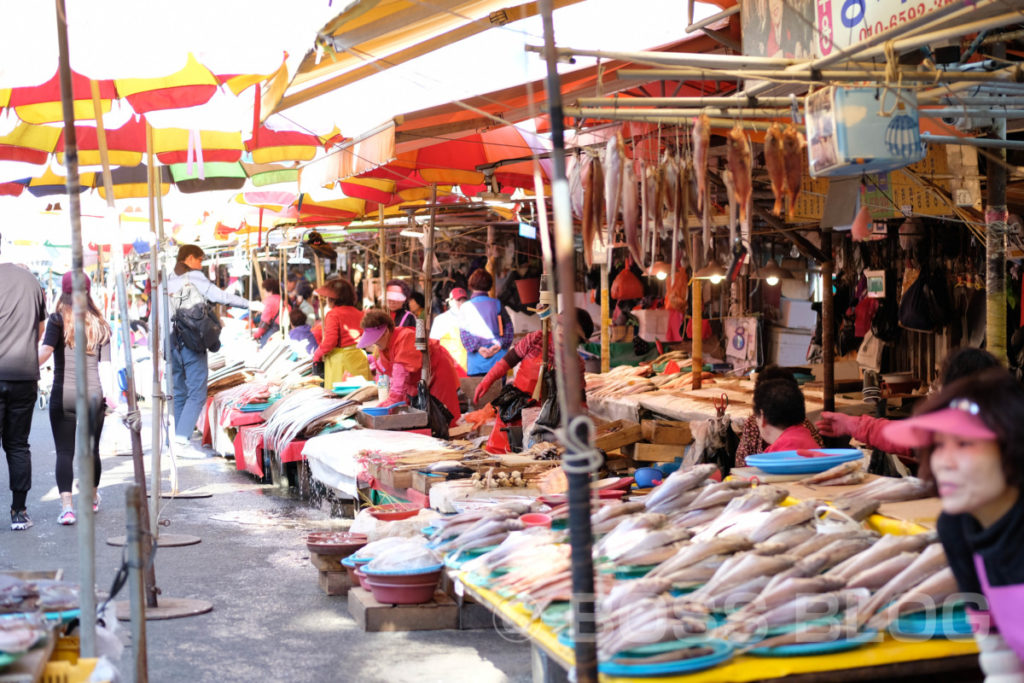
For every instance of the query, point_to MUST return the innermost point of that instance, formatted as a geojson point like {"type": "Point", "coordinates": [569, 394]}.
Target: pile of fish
{"type": "Point", "coordinates": [890, 490]}
{"type": "Point", "coordinates": [18, 595]}
{"type": "Point", "coordinates": [477, 528]}
{"type": "Point", "coordinates": [20, 633]}
{"type": "Point", "coordinates": [845, 474]}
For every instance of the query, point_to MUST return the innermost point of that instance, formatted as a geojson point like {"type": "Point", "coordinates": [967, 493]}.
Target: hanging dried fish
{"type": "Point", "coordinates": [775, 163]}
{"type": "Point", "coordinates": [631, 211]}
{"type": "Point", "coordinates": [738, 158]}
{"type": "Point", "coordinates": [577, 167]}
{"type": "Point", "coordinates": [613, 163]}
{"type": "Point", "coordinates": [701, 143]}
{"type": "Point", "coordinates": [730, 191]}
{"type": "Point", "coordinates": [793, 144]}
{"type": "Point", "coordinates": [587, 214]}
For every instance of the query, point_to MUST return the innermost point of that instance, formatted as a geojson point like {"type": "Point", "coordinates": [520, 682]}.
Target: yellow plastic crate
{"type": "Point", "coordinates": [68, 672]}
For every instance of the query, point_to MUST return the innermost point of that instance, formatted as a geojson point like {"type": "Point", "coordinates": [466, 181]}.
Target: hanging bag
{"type": "Point", "coordinates": [626, 285]}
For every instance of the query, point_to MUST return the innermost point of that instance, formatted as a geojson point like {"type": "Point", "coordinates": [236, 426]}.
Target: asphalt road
{"type": "Point", "coordinates": [270, 621]}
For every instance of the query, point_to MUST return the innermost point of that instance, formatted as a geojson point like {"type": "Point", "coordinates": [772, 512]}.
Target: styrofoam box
{"type": "Point", "coordinates": [798, 314]}
{"type": "Point", "coordinates": [789, 346]}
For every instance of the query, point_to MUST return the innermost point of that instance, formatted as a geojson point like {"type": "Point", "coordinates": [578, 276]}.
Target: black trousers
{"type": "Point", "coordinates": [63, 422]}
{"type": "Point", "coordinates": [17, 401]}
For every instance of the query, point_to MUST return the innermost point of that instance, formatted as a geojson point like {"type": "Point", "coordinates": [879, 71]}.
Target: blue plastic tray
{"type": "Point", "coordinates": [721, 652]}
{"type": "Point", "coordinates": [808, 649]}
{"type": "Point", "coordinates": [923, 625]}
{"type": "Point", "coordinates": [788, 462]}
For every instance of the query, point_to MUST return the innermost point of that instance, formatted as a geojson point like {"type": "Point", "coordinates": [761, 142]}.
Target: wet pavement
{"type": "Point", "coordinates": [270, 620]}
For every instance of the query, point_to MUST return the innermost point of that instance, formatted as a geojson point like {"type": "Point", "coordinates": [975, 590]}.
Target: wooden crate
{"type": "Point", "coordinates": [372, 616]}
{"type": "Point", "coordinates": [335, 583]}
{"type": "Point", "coordinates": [657, 452]}
{"type": "Point", "coordinates": [327, 563]}
{"type": "Point", "coordinates": [667, 432]}
{"type": "Point", "coordinates": [617, 434]}
{"type": "Point", "coordinates": [398, 480]}
{"type": "Point", "coordinates": [402, 418]}
{"type": "Point", "coordinates": [422, 482]}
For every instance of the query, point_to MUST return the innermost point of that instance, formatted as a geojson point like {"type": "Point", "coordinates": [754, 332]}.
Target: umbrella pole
{"type": "Point", "coordinates": [428, 283]}
{"type": "Point", "coordinates": [382, 241]}
{"type": "Point", "coordinates": [133, 420]}
{"type": "Point", "coordinates": [580, 458]}
{"type": "Point", "coordinates": [83, 453]}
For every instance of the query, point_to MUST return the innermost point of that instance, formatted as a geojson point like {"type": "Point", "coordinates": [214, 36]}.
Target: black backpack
{"type": "Point", "coordinates": [194, 320]}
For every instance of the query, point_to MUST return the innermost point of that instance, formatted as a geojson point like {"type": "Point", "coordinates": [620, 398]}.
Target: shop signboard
{"type": "Point", "coordinates": [842, 23]}
{"type": "Point", "coordinates": [778, 28]}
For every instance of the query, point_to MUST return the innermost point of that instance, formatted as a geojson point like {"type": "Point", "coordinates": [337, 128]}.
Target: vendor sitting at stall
{"type": "Point", "coordinates": [341, 331]}
{"type": "Point", "coordinates": [396, 296]}
{"type": "Point", "coordinates": [270, 320]}
{"type": "Point", "coordinates": [780, 413]}
{"type": "Point", "coordinates": [301, 335]}
{"type": "Point", "coordinates": [751, 441]}
{"type": "Point", "coordinates": [395, 355]}
{"type": "Point", "coordinates": [527, 354]}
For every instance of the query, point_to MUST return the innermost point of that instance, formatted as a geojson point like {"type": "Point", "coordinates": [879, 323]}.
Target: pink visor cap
{"type": "Point", "coordinates": [960, 419]}
{"type": "Point", "coordinates": [394, 296]}
{"type": "Point", "coordinates": [371, 335]}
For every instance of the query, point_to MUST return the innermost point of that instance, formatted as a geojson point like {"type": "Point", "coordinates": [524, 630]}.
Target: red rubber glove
{"type": "Point", "coordinates": [499, 370]}
{"type": "Point", "coordinates": [836, 424]}
{"type": "Point", "coordinates": [259, 332]}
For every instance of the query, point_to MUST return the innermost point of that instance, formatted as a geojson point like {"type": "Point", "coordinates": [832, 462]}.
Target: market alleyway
{"type": "Point", "coordinates": [270, 622]}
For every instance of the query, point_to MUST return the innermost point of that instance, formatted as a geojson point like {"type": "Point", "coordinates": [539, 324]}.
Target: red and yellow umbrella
{"type": "Point", "coordinates": [42, 103]}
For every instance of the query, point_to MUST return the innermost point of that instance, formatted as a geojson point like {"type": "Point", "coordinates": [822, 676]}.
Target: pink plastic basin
{"type": "Point", "coordinates": [402, 589]}
{"type": "Point", "coordinates": [536, 519]}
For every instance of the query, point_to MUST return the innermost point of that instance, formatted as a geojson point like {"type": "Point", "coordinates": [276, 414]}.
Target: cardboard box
{"type": "Point", "coordinates": [796, 313]}
{"type": "Point", "coordinates": [789, 347]}
{"type": "Point", "coordinates": [440, 613]}
{"type": "Point", "coordinates": [653, 323]}
{"type": "Point", "coordinates": [667, 432]}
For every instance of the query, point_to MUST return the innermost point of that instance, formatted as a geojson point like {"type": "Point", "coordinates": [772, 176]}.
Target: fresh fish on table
{"type": "Point", "coordinates": [695, 519]}
{"type": "Point", "coordinates": [737, 596]}
{"type": "Point", "coordinates": [793, 162]}
{"type": "Point", "coordinates": [626, 592]}
{"type": "Point", "coordinates": [631, 211]}
{"type": "Point", "coordinates": [807, 608]}
{"type": "Point", "coordinates": [720, 493]}
{"type": "Point", "coordinates": [745, 513]}
{"type": "Point", "coordinates": [624, 536]}
{"type": "Point", "coordinates": [650, 547]}
{"type": "Point", "coordinates": [697, 573]}
{"type": "Point", "coordinates": [607, 518]}
{"type": "Point", "coordinates": [931, 560]}
{"type": "Point", "coordinates": [839, 550]}
{"type": "Point", "coordinates": [786, 591]}
{"type": "Point", "coordinates": [783, 518]}
{"type": "Point", "coordinates": [488, 533]}
{"type": "Point", "coordinates": [890, 490]}
{"type": "Point", "coordinates": [842, 470]}
{"type": "Point", "coordinates": [857, 509]}
{"type": "Point", "coordinates": [701, 146]}
{"type": "Point", "coordinates": [882, 549]}
{"type": "Point", "coordinates": [792, 536]}
{"type": "Point", "coordinates": [928, 595]}
{"type": "Point", "coordinates": [877, 576]}
{"type": "Point", "coordinates": [663, 497]}
{"type": "Point", "coordinates": [821, 539]}
{"type": "Point", "coordinates": [773, 161]}
{"type": "Point", "coordinates": [815, 633]}
{"type": "Point", "coordinates": [741, 568]}
{"type": "Point", "coordinates": [691, 652]}
{"type": "Point", "coordinates": [692, 553]}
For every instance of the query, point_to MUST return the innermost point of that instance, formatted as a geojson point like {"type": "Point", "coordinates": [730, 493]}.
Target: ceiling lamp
{"type": "Point", "coordinates": [773, 272]}
{"type": "Point", "coordinates": [659, 269]}
{"type": "Point", "coordinates": [712, 271]}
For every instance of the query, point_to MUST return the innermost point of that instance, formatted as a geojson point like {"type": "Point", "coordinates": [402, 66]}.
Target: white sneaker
{"type": "Point", "coordinates": [191, 452]}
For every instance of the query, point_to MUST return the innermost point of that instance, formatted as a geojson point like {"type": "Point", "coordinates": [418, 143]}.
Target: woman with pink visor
{"type": "Point", "coordinates": [970, 440]}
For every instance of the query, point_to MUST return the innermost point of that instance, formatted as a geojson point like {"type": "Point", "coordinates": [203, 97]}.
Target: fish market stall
{"type": "Point", "coordinates": [728, 581]}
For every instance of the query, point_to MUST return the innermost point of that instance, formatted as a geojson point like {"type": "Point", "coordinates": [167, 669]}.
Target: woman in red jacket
{"type": "Point", "coordinates": [395, 355]}
{"type": "Point", "coordinates": [341, 331]}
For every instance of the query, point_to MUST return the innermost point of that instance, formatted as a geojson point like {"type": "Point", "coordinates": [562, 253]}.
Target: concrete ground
{"type": "Point", "coordinates": [270, 620]}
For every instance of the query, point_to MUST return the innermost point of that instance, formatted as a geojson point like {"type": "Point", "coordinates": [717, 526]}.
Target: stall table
{"type": "Point", "coordinates": [886, 659]}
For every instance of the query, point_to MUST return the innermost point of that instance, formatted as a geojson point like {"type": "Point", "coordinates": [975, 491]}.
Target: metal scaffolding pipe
{"type": "Point", "coordinates": [712, 61]}
{"type": "Point", "coordinates": [956, 31]}
{"type": "Point", "coordinates": [724, 14]}
{"type": "Point", "coordinates": [713, 102]}
{"type": "Point", "coordinates": [1001, 77]}
{"type": "Point", "coordinates": [974, 142]}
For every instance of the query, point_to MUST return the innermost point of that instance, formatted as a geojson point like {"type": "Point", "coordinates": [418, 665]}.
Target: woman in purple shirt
{"type": "Point", "coordinates": [971, 441]}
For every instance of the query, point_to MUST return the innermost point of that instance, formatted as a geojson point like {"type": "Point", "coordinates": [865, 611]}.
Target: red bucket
{"type": "Point", "coordinates": [529, 290]}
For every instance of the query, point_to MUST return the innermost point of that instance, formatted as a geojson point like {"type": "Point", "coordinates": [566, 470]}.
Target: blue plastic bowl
{"type": "Point", "coordinates": [376, 412]}
{"type": "Point", "coordinates": [646, 477]}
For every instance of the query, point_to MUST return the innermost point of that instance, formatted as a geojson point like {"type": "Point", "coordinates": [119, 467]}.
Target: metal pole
{"type": "Point", "coordinates": [428, 284]}
{"type": "Point", "coordinates": [828, 342]}
{"type": "Point", "coordinates": [997, 143]}
{"type": "Point", "coordinates": [133, 420]}
{"type": "Point", "coordinates": [382, 240]}
{"type": "Point", "coordinates": [606, 318]}
{"type": "Point", "coordinates": [79, 303]}
{"type": "Point", "coordinates": [697, 315]}
{"type": "Point", "coordinates": [996, 216]}
{"type": "Point", "coordinates": [134, 540]}
{"type": "Point", "coordinates": [577, 429]}
{"type": "Point", "coordinates": [156, 413]}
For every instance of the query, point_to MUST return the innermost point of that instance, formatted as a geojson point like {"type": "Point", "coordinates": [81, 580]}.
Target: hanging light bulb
{"type": "Point", "coordinates": [712, 271]}
{"type": "Point", "coordinates": [773, 273]}
{"type": "Point", "coordinates": [659, 269]}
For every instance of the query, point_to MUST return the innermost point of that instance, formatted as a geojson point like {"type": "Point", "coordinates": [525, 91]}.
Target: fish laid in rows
{"type": "Point", "coordinates": [693, 553]}
{"type": "Point", "coordinates": [697, 519]}
{"type": "Point", "coordinates": [446, 527]}
{"type": "Point", "coordinates": [877, 576]}
{"type": "Point", "coordinates": [803, 608]}
{"type": "Point", "coordinates": [887, 546]}
{"type": "Point", "coordinates": [738, 159]}
{"type": "Point", "coordinates": [653, 620]}
{"type": "Point", "coordinates": [931, 560]}
{"type": "Point", "coordinates": [720, 493]}
{"type": "Point", "coordinates": [783, 518]}
{"type": "Point", "coordinates": [792, 536]}
{"type": "Point", "coordinates": [698, 573]}
{"type": "Point", "coordinates": [840, 550]}
{"type": "Point", "coordinates": [623, 536]}
{"type": "Point", "coordinates": [821, 539]}
{"type": "Point", "coordinates": [786, 591]}
{"type": "Point", "coordinates": [857, 509]}
{"type": "Point", "coordinates": [682, 654]}
{"type": "Point", "coordinates": [664, 497]}
{"type": "Point", "coordinates": [614, 160]}
{"type": "Point", "coordinates": [926, 596]}
{"type": "Point", "coordinates": [741, 568]}
{"type": "Point", "coordinates": [890, 490]}
{"type": "Point", "coordinates": [701, 146]}
{"type": "Point", "coordinates": [793, 161]}
{"type": "Point", "coordinates": [491, 532]}
{"type": "Point", "coordinates": [609, 516]}
{"type": "Point", "coordinates": [631, 211]}
{"type": "Point", "coordinates": [745, 513]}
{"type": "Point", "coordinates": [828, 477]}
{"type": "Point", "coordinates": [650, 547]}
{"type": "Point", "coordinates": [626, 592]}
{"type": "Point", "coordinates": [816, 633]}
{"type": "Point", "coordinates": [773, 161]}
